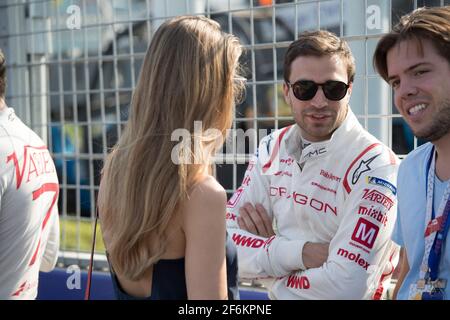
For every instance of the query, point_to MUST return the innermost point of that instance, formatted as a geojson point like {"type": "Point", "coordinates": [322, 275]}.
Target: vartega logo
{"type": "Point", "coordinates": [378, 197]}
{"type": "Point", "coordinates": [36, 161]}
{"type": "Point", "coordinates": [353, 257]}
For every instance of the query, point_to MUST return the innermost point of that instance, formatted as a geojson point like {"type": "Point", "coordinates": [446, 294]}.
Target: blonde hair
{"type": "Point", "coordinates": [187, 76]}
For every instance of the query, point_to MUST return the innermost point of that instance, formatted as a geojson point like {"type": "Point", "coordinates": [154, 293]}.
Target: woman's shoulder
{"type": "Point", "coordinates": [206, 204]}
{"type": "Point", "coordinates": [207, 191]}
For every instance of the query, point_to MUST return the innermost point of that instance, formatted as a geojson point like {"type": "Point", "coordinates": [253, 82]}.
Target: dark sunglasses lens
{"type": "Point", "coordinates": [335, 90]}
{"type": "Point", "coordinates": [304, 90]}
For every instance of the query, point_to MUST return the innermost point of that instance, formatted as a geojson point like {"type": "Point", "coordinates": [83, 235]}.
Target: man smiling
{"type": "Point", "coordinates": [415, 59]}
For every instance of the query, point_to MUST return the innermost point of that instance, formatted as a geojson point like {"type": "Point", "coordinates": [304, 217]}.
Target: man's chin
{"type": "Point", "coordinates": [430, 136]}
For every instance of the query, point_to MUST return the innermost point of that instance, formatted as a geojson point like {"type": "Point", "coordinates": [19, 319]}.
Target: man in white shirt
{"type": "Point", "coordinates": [29, 222]}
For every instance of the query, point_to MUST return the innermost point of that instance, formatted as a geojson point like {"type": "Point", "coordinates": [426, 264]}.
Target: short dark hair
{"type": "Point", "coordinates": [319, 43]}
{"type": "Point", "coordinates": [2, 74]}
{"type": "Point", "coordinates": [423, 23]}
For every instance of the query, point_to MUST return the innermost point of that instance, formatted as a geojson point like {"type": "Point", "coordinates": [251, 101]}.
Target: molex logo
{"type": "Point", "coordinates": [365, 233]}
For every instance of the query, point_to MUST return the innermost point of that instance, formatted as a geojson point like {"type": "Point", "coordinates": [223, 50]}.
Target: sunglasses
{"type": "Point", "coordinates": [306, 89]}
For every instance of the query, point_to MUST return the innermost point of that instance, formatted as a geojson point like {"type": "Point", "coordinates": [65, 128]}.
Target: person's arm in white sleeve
{"type": "Point", "coordinates": [260, 257]}
{"type": "Point", "coordinates": [50, 255]}
{"type": "Point", "coordinates": [359, 252]}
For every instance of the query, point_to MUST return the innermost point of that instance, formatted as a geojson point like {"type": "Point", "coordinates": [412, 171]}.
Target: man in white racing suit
{"type": "Point", "coordinates": [325, 183]}
{"type": "Point", "coordinates": [29, 223]}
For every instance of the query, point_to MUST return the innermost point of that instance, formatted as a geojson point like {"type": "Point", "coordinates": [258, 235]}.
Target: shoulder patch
{"type": "Point", "coordinates": [372, 157]}
{"type": "Point", "coordinates": [383, 183]}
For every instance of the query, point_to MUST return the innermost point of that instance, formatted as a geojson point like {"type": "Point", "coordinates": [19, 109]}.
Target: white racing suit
{"type": "Point", "coordinates": [342, 192]}
{"type": "Point", "coordinates": [29, 223]}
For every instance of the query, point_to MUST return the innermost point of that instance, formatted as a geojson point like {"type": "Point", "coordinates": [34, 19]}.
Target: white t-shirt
{"type": "Point", "coordinates": [29, 222]}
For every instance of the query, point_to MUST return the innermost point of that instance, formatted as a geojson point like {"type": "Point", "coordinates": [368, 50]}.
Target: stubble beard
{"type": "Point", "coordinates": [440, 124]}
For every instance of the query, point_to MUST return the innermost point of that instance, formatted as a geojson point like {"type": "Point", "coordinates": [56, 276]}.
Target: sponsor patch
{"type": "Point", "coordinates": [374, 213]}
{"type": "Point", "coordinates": [249, 242]}
{"type": "Point", "coordinates": [378, 197]}
{"type": "Point", "coordinates": [315, 153]}
{"type": "Point", "coordinates": [329, 175]}
{"type": "Point", "coordinates": [288, 161]}
{"type": "Point", "coordinates": [381, 182]}
{"type": "Point", "coordinates": [283, 173]}
{"type": "Point", "coordinates": [298, 282]}
{"type": "Point", "coordinates": [356, 258]}
{"type": "Point", "coordinates": [364, 166]}
{"type": "Point", "coordinates": [361, 164]}
{"type": "Point", "coordinates": [323, 187]}
{"type": "Point", "coordinates": [365, 233]}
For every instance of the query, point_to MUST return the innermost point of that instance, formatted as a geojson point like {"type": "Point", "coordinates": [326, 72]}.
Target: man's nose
{"type": "Point", "coordinates": [319, 100]}
{"type": "Point", "coordinates": [406, 89]}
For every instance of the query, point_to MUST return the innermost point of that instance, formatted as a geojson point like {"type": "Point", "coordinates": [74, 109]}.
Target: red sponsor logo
{"type": "Point", "coordinates": [316, 204]}
{"type": "Point", "coordinates": [230, 216]}
{"type": "Point", "coordinates": [359, 247]}
{"type": "Point", "coordinates": [288, 161]}
{"type": "Point", "coordinates": [244, 241]}
{"type": "Point", "coordinates": [279, 191]}
{"type": "Point", "coordinates": [323, 187]}
{"type": "Point", "coordinates": [353, 257]}
{"type": "Point", "coordinates": [378, 215]}
{"type": "Point", "coordinates": [329, 175]}
{"type": "Point", "coordinates": [297, 282]}
{"type": "Point", "coordinates": [365, 233]}
{"type": "Point", "coordinates": [303, 200]}
{"type": "Point", "coordinates": [235, 198]}
{"type": "Point", "coordinates": [36, 162]}
{"type": "Point", "coordinates": [434, 225]}
{"type": "Point", "coordinates": [378, 197]}
{"type": "Point", "coordinates": [283, 173]}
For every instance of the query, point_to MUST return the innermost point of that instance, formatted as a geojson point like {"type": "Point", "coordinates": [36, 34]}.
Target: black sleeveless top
{"type": "Point", "coordinates": [169, 281]}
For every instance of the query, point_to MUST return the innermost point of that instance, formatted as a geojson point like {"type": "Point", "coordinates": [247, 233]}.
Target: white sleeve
{"type": "Point", "coordinates": [50, 256]}
{"type": "Point", "coordinates": [361, 252]}
{"type": "Point", "coordinates": [259, 257]}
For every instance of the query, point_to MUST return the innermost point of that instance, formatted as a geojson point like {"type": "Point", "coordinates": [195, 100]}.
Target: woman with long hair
{"type": "Point", "coordinates": [162, 213]}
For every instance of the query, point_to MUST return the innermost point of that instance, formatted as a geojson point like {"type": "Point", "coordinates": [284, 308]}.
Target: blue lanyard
{"type": "Point", "coordinates": [434, 256]}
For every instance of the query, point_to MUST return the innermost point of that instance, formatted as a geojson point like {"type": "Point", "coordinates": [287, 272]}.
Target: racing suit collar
{"type": "Point", "coordinates": [319, 149]}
